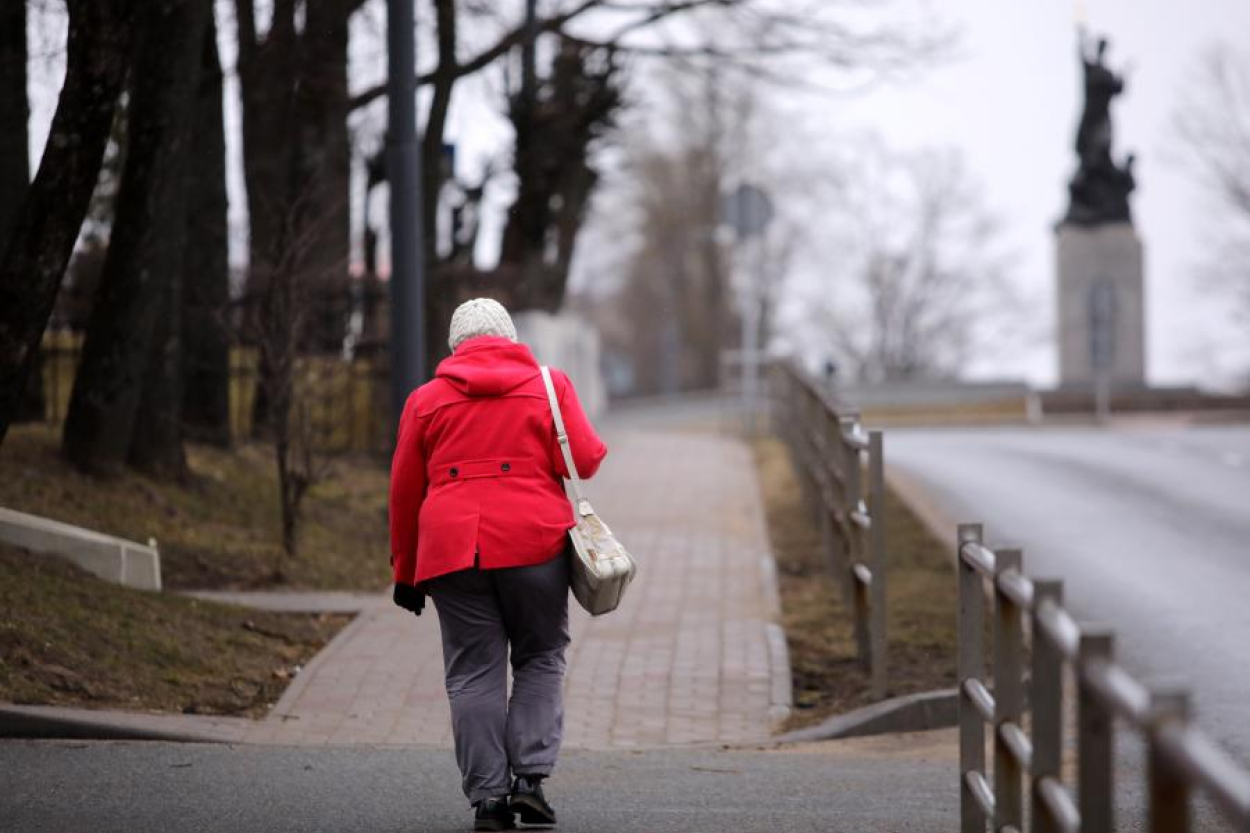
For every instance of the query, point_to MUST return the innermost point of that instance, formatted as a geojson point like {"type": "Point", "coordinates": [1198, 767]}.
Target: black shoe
{"type": "Point", "coordinates": [527, 801]}
{"type": "Point", "coordinates": [493, 814]}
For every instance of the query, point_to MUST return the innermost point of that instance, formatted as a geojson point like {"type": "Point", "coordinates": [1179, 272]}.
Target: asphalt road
{"type": "Point", "coordinates": [1149, 528]}
{"type": "Point", "coordinates": [159, 787]}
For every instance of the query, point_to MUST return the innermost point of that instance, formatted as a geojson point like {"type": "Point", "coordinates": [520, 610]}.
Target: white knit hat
{"type": "Point", "coordinates": [480, 317]}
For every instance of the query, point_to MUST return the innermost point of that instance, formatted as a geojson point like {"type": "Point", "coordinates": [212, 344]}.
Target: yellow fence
{"type": "Point", "coordinates": [345, 402]}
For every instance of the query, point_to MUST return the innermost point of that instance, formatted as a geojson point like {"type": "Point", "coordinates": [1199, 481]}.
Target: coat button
{"type": "Point", "coordinates": [454, 471]}
{"type": "Point", "coordinates": [505, 467]}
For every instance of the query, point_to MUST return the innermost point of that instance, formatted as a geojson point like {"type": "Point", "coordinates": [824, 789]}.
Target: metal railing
{"type": "Point", "coordinates": [832, 449]}
{"type": "Point", "coordinates": [1181, 759]}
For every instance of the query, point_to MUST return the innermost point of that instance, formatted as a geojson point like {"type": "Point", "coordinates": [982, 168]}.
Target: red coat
{"type": "Point", "coordinates": [477, 466]}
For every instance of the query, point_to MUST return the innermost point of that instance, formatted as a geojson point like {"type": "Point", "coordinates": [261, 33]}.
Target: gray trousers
{"type": "Point", "coordinates": [481, 613]}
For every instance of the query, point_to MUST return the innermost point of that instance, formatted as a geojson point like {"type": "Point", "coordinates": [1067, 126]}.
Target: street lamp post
{"type": "Point", "coordinates": [748, 210]}
{"type": "Point", "coordinates": [403, 163]}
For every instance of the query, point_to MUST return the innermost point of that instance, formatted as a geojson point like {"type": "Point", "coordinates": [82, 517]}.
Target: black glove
{"type": "Point", "coordinates": [409, 598]}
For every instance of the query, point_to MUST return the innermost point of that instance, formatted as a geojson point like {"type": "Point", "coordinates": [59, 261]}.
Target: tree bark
{"type": "Point", "coordinates": [15, 159]}
{"type": "Point", "coordinates": [299, 191]}
{"type": "Point", "coordinates": [434, 172]}
{"type": "Point", "coordinates": [266, 67]}
{"type": "Point", "coordinates": [322, 185]}
{"type": "Point", "coordinates": [433, 165]}
{"type": "Point", "coordinates": [129, 360]}
{"type": "Point", "coordinates": [41, 239]}
{"type": "Point", "coordinates": [14, 112]}
{"type": "Point", "coordinates": [554, 135]}
{"type": "Point", "coordinates": [206, 270]}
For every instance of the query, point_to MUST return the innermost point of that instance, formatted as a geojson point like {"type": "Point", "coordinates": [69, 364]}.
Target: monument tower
{"type": "Point", "coordinates": [1101, 324]}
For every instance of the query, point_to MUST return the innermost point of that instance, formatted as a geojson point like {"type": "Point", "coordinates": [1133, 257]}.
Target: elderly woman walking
{"type": "Point", "coordinates": [479, 522]}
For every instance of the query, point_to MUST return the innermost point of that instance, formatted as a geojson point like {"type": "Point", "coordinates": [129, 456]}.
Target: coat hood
{"type": "Point", "coordinates": [488, 366]}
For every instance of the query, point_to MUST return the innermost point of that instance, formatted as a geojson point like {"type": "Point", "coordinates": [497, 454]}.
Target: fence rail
{"type": "Point", "coordinates": [832, 450]}
{"type": "Point", "coordinates": [1181, 759]}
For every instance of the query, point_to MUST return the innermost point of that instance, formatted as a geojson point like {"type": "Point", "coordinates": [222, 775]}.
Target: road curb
{"type": "Point", "coordinates": [781, 687]}
{"type": "Point", "coordinates": [909, 713]}
{"type": "Point", "coordinates": [62, 723]}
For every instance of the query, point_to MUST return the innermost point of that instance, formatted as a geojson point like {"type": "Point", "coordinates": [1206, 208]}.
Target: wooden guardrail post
{"type": "Point", "coordinates": [838, 458]}
{"type": "Point", "coordinates": [1167, 788]}
{"type": "Point", "coordinates": [853, 498]}
{"type": "Point", "coordinates": [829, 496]}
{"type": "Point", "coordinates": [800, 449]}
{"type": "Point", "coordinates": [1008, 694]}
{"type": "Point", "coordinates": [1095, 728]}
{"type": "Point", "coordinates": [971, 666]}
{"type": "Point", "coordinates": [1046, 703]}
{"type": "Point", "coordinates": [877, 563]}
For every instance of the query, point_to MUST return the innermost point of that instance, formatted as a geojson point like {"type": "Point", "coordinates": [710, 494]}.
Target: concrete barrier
{"type": "Point", "coordinates": [112, 559]}
{"type": "Point", "coordinates": [568, 342]}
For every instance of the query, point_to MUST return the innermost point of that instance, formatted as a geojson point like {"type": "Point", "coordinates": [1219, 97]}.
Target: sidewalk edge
{"type": "Point", "coordinates": [63, 723]}
{"type": "Point", "coordinates": [909, 713]}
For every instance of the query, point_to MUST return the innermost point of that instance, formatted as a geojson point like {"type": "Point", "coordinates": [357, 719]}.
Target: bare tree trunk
{"type": "Point", "coordinates": [552, 163]}
{"type": "Point", "coordinates": [322, 188]}
{"type": "Point", "coordinates": [296, 473]}
{"type": "Point", "coordinates": [278, 340]}
{"type": "Point", "coordinates": [296, 80]}
{"type": "Point", "coordinates": [282, 318]}
{"type": "Point", "coordinates": [266, 67]}
{"type": "Point", "coordinates": [298, 187]}
{"type": "Point", "coordinates": [142, 272]}
{"type": "Point", "coordinates": [438, 297]}
{"type": "Point", "coordinates": [206, 270]}
{"type": "Point", "coordinates": [41, 240]}
{"type": "Point", "coordinates": [15, 159]}
{"type": "Point", "coordinates": [156, 439]}
{"type": "Point", "coordinates": [14, 112]}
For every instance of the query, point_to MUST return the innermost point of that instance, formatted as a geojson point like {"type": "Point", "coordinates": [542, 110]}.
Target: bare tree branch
{"type": "Point", "coordinates": [1212, 126]}
{"type": "Point", "coordinates": [921, 271]}
{"type": "Point", "coordinates": [486, 57]}
{"type": "Point", "coordinates": [763, 34]}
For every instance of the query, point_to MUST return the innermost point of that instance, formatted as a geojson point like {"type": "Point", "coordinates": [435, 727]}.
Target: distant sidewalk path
{"type": "Point", "coordinates": [692, 656]}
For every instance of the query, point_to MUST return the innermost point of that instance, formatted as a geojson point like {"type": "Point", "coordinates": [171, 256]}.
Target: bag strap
{"type": "Point", "coordinates": [583, 505]}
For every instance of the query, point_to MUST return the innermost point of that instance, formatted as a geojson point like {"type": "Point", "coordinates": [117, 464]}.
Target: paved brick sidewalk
{"type": "Point", "coordinates": [692, 656]}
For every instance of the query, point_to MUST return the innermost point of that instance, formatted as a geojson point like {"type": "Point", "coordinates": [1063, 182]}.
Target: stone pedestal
{"type": "Point", "coordinates": [1101, 305]}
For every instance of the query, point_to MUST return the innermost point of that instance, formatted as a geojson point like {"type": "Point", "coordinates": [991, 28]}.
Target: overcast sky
{"type": "Point", "coordinates": [1009, 100]}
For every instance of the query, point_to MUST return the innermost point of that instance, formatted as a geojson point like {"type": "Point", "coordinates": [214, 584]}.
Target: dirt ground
{"type": "Point", "coordinates": [67, 638]}
{"type": "Point", "coordinates": [219, 530]}
{"type": "Point", "coordinates": [920, 601]}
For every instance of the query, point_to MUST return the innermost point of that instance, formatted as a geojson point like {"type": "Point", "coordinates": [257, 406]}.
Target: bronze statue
{"type": "Point", "coordinates": [1099, 190]}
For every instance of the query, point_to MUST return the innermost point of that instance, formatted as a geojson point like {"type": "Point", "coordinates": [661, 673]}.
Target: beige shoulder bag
{"type": "Point", "coordinates": [601, 568]}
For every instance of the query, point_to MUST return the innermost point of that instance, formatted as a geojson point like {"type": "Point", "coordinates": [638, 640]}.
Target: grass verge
{"type": "Point", "coordinates": [67, 638]}
{"type": "Point", "coordinates": [221, 528]}
{"type": "Point", "coordinates": [920, 601]}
